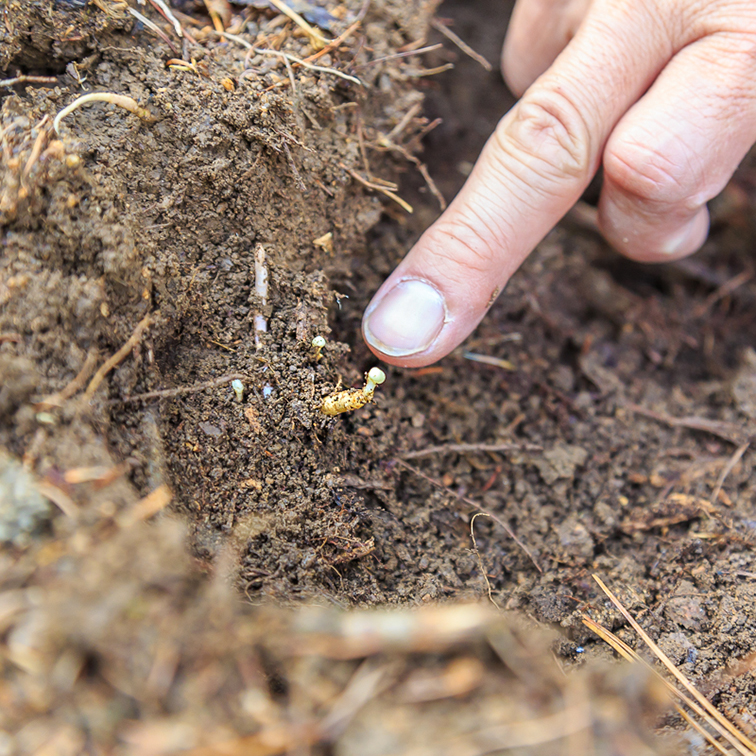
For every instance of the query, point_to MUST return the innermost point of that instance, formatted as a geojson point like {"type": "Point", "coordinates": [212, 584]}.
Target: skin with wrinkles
{"type": "Point", "coordinates": [662, 93]}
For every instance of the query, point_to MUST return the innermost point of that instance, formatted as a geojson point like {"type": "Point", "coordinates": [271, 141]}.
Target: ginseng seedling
{"type": "Point", "coordinates": [352, 399]}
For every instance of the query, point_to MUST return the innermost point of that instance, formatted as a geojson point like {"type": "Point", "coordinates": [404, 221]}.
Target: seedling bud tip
{"type": "Point", "coordinates": [317, 344]}
{"type": "Point", "coordinates": [238, 388]}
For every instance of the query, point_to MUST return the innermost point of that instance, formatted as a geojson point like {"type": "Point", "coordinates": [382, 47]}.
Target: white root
{"type": "Point", "coordinates": [261, 289]}
{"type": "Point", "coordinates": [122, 101]}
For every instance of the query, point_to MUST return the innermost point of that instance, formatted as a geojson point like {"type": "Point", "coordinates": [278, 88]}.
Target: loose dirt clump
{"type": "Point", "coordinates": [602, 414]}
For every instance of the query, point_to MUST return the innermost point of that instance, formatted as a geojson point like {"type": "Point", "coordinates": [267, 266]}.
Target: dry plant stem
{"type": "Point", "coordinates": [403, 123]}
{"type": "Point", "coordinates": [305, 64]}
{"type": "Point", "coordinates": [122, 101]}
{"type": "Point", "coordinates": [734, 459]}
{"type": "Point", "coordinates": [169, 393]}
{"type": "Point", "coordinates": [406, 54]}
{"type": "Point", "coordinates": [474, 505]}
{"type": "Point", "coordinates": [702, 731]}
{"type": "Point", "coordinates": [466, 49]}
{"type": "Point", "coordinates": [152, 25]}
{"type": "Point", "coordinates": [530, 732]}
{"type": "Point", "coordinates": [328, 48]}
{"type": "Point", "coordinates": [630, 655]}
{"type": "Point", "coordinates": [432, 71]}
{"type": "Point", "coordinates": [745, 745]}
{"type": "Point", "coordinates": [28, 80]}
{"type": "Point", "coordinates": [118, 357]}
{"type": "Point", "coordinates": [724, 290]}
{"type": "Point", "coordinates": [388, 143]}
{"type": "Point", "coordinates": [288, 58]}
{"type": "Point", "coordinates": [464, 448]}
{"type": "Point", "coordinates": [58, 399]}
{"type": "Point", "coordinates": [60, 498]}
{"type": "Point", "coordinates": [317, 40]}
{"type": "Point", "coordinates": [261, 289]}
{"type": "Point", "coordinates": [726, 431]}
{"type": "Point", "coordinates": [481, 566]}
{"type": "Point", "coordinates": [149, 506]}
{"type": "Point", "coordinates": [435, 191]}
{"type": "Point", "coordinates": [36, 149]}
{"type": "Point", "coordinates": [378, 188]}
{"type": "Point", "coordinates": [166, 11]}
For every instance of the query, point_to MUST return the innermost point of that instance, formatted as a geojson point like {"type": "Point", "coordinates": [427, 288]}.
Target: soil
{"type": "Point", "coordinates": [602, 412]}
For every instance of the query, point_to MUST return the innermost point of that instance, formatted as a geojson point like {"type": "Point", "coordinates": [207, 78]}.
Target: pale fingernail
{"type": "Point", "coordinates": [405, 321]}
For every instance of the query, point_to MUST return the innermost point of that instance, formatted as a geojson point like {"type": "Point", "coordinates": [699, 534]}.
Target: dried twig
{"type": "Point", "coordinates": [329, 47]}
{"type": "Point", "coordinates": [36, 148]}
{"type": "Point", "coordinates": [317, 40]}
{"type": "Point", "coordinates": [698, 703]}
{"type": "Point", "coordinates": [387, 143]}
{"type": "Point", "coordinates": [404, 121]}
{"type": "Point", "coordinates": [481, 566]}
{"type": "Point", "coordinates": [57, 399]}
{"type": "Point", "coordinates": [465, 448]}
{"type": "Point", "coordinates": [154, 27]}
{"type": "Point", "coordinates": [724, 290]}
{"type": "Point", "coordinates": [166, 11]}
{"type": "Point", "coordinates": [727, 431]}
{"type": "Point", "coordinates": [169, 393]}
{"type": "Point", "coordinates": [303, 62]}
{"type": "Point", "coordinates": [734, 459]}
{"type": "Point", "coordinates": [60, 498]}
{"type": "Point", "coordinates": [423, 72]}
{"type": "Point", "coordinates": [24, 79]}
{"type": "Point", "coordinates": [372, 185]}
{"type": "Point", "coordinates": [118, 357]}
{"type": "Point", "coordinates": [405, 54]}
{"type": "Point", "coordinates": [435, 191]}
{"type": "Point", "coordinates": [149, 506]}
{"type": "Point", "coordinates": [466, 49]}
{"type": "Point", "coordinates": [473, 505]}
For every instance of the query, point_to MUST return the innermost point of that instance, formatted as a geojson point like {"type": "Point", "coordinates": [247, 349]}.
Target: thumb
{"type": "Point", "coordinates": [532, 170]}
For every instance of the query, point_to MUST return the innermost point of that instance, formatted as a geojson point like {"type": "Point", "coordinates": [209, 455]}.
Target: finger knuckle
{"type": "Point", "coordinates": [465, 245]}
{"type": "Point", "coordinates": [650, 176]}
{"type": "Point", "coordinates": [549, 134]}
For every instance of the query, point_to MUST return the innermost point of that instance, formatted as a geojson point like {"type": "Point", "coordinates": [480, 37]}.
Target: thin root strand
{"type": "Point", "coordinates": [122, 101]}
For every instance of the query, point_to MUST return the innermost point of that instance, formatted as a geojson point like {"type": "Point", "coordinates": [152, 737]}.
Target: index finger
{"type": "Point", "coordinates": [534, 167]}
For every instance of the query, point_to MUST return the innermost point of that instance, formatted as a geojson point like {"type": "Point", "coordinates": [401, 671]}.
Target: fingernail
{"type": "Point", "coordinates": [405, 321]}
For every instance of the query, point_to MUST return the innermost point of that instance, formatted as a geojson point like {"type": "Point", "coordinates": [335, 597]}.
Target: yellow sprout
{"type": "Point", "coordinates": [352, 399]}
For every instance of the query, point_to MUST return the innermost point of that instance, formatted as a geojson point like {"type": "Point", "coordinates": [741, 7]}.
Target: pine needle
{"type": "Point", "coordinates": [697, 702]}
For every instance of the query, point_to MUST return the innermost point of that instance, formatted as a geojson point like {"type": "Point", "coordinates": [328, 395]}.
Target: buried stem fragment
{"type": "Point", "coordinates": [122, 101]}
{"type": "Point", "coordinates": [118, 357]}
{"type": "Point", "coordinates": [261, 289]}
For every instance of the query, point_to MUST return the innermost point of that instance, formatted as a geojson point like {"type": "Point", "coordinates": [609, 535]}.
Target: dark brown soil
{"type": "Point", "coordinates": [626, 393]}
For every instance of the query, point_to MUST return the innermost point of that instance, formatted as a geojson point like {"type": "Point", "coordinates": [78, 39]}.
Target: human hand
{"type": "Point", "coordinates": [663, 92]}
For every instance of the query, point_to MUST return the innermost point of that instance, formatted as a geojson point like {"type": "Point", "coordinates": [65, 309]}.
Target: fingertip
{"type": "Point", "coordinates": [644, 243]}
